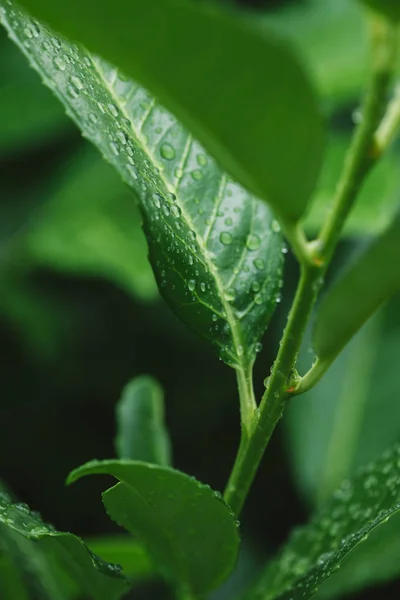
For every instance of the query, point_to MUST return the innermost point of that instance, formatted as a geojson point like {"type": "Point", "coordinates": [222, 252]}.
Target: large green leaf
{"type": "Point", "coordinates": [240, 91]}
{"type": "Point", "coordinates": [371, 279]}
{"type": "Point", "coordinates": [187, 528]}
{"type": "Point", "coordinates": [215, 249]}
{"type": "Point", "coordinates": [56, 564]}
{"type": "Point", "coordinates": [141, 432]}
{"type": "Point", "coordinates": [90, 225]}
{"type": "Point", "coordinates": [317, 550]}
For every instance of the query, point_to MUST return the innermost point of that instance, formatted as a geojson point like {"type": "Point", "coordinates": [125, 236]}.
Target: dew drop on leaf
{"type": "Point", "coordinates": [230, 294]}
{"type": "Point", "coordinates": [197, 174]}
{"type": "Point", "coordinates": [226, 238]}
{"type": "Point", "coordinates": [259, 264]}
{"type": "Point", "coordinates": [253, 242]}
{"type": "Point", "coordinates": [167, 151]}
{"type": "Point", "coordinates": [191, 285]}
{"type": "Point", "coordinates": [60, 63]}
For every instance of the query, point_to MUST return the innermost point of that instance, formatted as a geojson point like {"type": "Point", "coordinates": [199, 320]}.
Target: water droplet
{"type": "Point", "coordinates": [203, 286]}
{"type": "Point", "coordinates": [256, 286]}
{"type": "Point", "coordinates": [275, 226]}
{"type": "Point", "coordinates": [258, 347]}
{"type": "Point", "coordinates": [132, 171]}
{"type": "Point", "coordinates": [166, 210]}
{"type": "Point", "coordinates": [278, 298]}
{"type": "Point", "coordinates": [72, 92]}
{"type": "Point", "coordinates": [114, 148]}
{"type": "Point", "coordinates": [31, 31]}
{"type": "Point", "coordinates": [176, 211]}
{"type": "Point", "coordinates": [240, 350]}
{"type": "Point", "coordinates": [60, 63]}
{"type": "Point", "coordinates": [191, 285]}
{"type": "Point", "coordinates": [357, 116]}
{"type": "Point", "coordinates": [259, 264]}
{"type": "Point", "coordinates": [253, 242]}
{"type": "Point", "coordinates": [167, 151]}
{"type": "Point", "coordinates": [123, 138]}
{"type": "Point", "coordinates": [228, 221]}
{"type": "Point", "coordinates": [226, 238]}
{"type": "Point", "coordinates": [157, 200]}
{"type": "Point", "coordinates": [214, 317]}
{"type": "Point", "coordinates": [197, 174]}
{"type": "Point", "coordinates": [75, 81]}
{"type": "Point", "coordinates": [113, 109]}
{"type": "Point", "coordinates": [230, 295]}
{"type": "Point", "coordinates": [202, 160]}
{"type": "Point", "coordinates": [258, 299]}
{"type": "Point", "coordinates": [190, 260]}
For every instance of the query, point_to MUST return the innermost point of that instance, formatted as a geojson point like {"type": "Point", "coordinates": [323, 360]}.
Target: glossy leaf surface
{"type": "Point", "coordinates": [317, 550]}
{"type": "Point", "coordinates": [58, 561]}
{"type": "Point", "coordinates": [186, 527]}
{"type": "Point", "coordinates": [215, 249]}
{"type": "Point", "coordinates": [197, 59]}
{"type": "Point", "coordinates": [366, 284]}
{"type": "Point", "coordinates": [90, 225]}
{"type": "Point", "coordinates": [141, 432]}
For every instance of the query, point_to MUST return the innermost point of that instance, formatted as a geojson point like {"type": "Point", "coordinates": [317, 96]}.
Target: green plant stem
{"type": "Point", "coordinates": [314, 260]}
{"type": "Point", "coordinates": [277, 393]}
{"type": "Point", "coordinates": [248, 403]}
{"type": "Point", "coordinates": [364, 151]}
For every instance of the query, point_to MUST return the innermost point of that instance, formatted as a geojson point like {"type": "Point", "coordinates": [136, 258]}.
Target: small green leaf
{"type": "Point", "coordinates": [316, 551]}
{"type": "Point", "coordinates": [124, 551]}
{"type": "Point", "coordinates": [57, 561]}
{"type": "Point", "coordinates": [141, 433]}
{"type": "Point", "coordinates": [215, 250]}
{"type": "Point", "coordinates": [366, 284]}
{"type": "Point", "coordinates": [389, 8]}
{"type": "Point", "coordinates": [91, 226]}
{"type": "Point", "coordinates": [239, 90]}
{"type": "Point", "coordinates": [186, 527]}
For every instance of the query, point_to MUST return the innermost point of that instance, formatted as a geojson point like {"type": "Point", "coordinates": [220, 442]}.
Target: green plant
{"type": "Point", "coordinates": [217, 254]}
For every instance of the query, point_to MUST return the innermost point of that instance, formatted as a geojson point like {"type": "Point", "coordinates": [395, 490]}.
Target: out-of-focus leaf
{"type": "Point", "coordinates": [90, 225]}
{"type": "Point", "coordinates": [125, 551]}
{"type": "Point", "coordinates": [372, 278]}
{"type": "Point", "coordinates": [376, 203]}
{"type": "Point", "coordinates": [333, 37]}
{"type": "Point", "coordinates": [141, 432]}
{"type": "Point", "coordinates": [316, 551]}
{"type": "Point", "coordinates": [186, 527]}
{"type": "Point", "coordinates": [196, 59]}
{"type": "Point", "coordinates": [389, 8]}
{"type": "Point", "coordinates": [58, 562]}
{"type": "Point", "coordinates": [11, 584]}
{"type": "Point", "coordinates": [348, 419]}
{"type": "Point", "coordinates": [29, 115]}
{"type": "Point", "coordinates": [215, 249]}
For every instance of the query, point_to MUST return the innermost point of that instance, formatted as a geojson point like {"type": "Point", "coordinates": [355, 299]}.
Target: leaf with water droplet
{"type": "Point", "coordinates": [187, 528]}
{"type": "Point", "coordinates": [315, 551]}
{"type": "Point", "coordinates": [228, 81]}
{"type": "Point", "coordinates": [141, 432]}
{"type": "Point", "coordinates": [371, 278]}
{"type": "Point", "coordinates": [61, 566]}
{"type": "Point", "coordinates": [186, 200]}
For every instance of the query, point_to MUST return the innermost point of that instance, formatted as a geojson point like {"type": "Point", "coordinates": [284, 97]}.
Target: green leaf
{"type": "Point", "coordinates": [348, 419]}
{"type": "Point", "coordinates": [186, 527]}
{"type": "Point", "coordinates": [376, 203]}
{"type": "Point", "coordinates": [317, 550]}
{"type": "Point", "coordinates": [91, 226]}
{"type": "Point", "coordinates": [240, 91]}
{"type": "Point", "coordinates": [124, 551]}
{"type": "Point", "coordinates": [366, 284]}
{"type": "Point", "coordinates": [215, 249]}
{"type": "Point", "coordinates": [141, 432]}
{"type": "Point", "coordinates": [57, 562]}
{"type": "Point", "coordinates": [389, 8]}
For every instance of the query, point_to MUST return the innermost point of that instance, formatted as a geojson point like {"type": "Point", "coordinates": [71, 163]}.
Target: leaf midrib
{"type": "Point", "coordinates": [236, 337]}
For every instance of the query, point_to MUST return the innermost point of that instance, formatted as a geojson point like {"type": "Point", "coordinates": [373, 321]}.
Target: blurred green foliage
{"type": "Point", "coordinates": [80, 315]}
